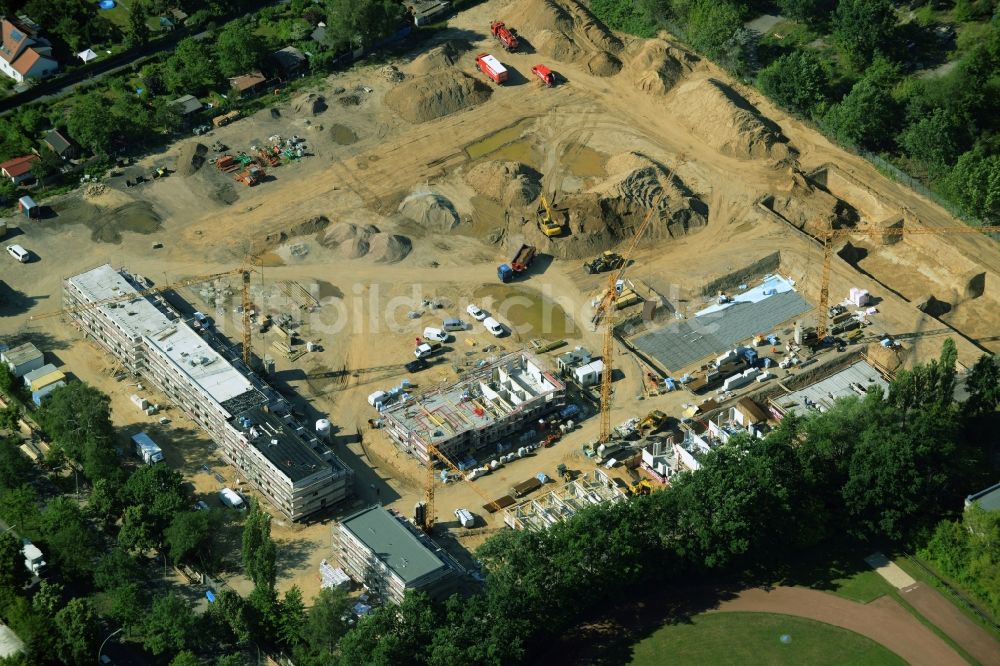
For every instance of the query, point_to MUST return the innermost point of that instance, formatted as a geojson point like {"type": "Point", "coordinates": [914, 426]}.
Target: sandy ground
{"type": "Point", "coordinates": [889, 570]}
{"type": "Point", "coordinates": [945, 616]}
{"type": "Point", "coordinates": [363, 160]}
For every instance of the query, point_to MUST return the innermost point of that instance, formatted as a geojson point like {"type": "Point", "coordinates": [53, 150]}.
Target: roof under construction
{"type": "Point", "coordinates": [481, 398]}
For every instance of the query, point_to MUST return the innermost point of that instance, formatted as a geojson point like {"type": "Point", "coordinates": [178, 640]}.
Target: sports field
{"type": "Point", "coordinates": [746, 639]}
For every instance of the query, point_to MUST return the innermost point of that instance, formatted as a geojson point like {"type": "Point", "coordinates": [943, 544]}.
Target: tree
{"type": "Point", "coordinates": [867, 114]}
{"type": "Point", "coordinates": [813, 12]}
{"type": "Point", "coordinates": [88, 125]}
{"type": "Point", "coordinates": [138, 30]}
{"type": "Point", "coordinates": [392, 635]}
{"type": "Point", "coordinates": [974, 183]}
{"type": "Point", "coordinates": [185, 658]}
{"type": "Point", "coordinates": [20, 507]}
{"type": "Point", "coordinates": [711, 25]}
{"type": "Point", "coordinates": [138, 532]}
{"type": "Point", "coordinates": [14, 465]}
{"type": "Point", "coordinates": [230, 660]}
{"type": "Point", "coordinates": [77, 625]}
{"type": "Point", "coordinates": [191, 69]}
{"type": "Point", "coordinates": [78, 416]}
{"type": "Point", "coordinates": [863, 28]}
{"type": "Point", "coordinates": [259, 555]}
{"type": "Point", "coordinates": [624, 16]}
{"type": "Point", "coordinates": [128, 605]}
{"type": "Point", "coordinates": [797, 81]}
{"type": "Point", "coordinates": [48, 599]}
{"type": "Point", "coordinates": [934, 140]}
{"type": "Point", "coordinates": [361, 22]}
{"type": "Point", "coordinates": [105, 502]}
{"type": "Point", "coordinates": [192, 533]}
{"type": "Point", "coordinates": [116, 568]}
{"type": "Point", "coordinates": [13, 574]}
{"type": "Point", "coordinates": [291, 618]}
{"type": "Point", "coordinates": [168, 625]}
{"type": "Point", "coordinates": [983, 385]}
{"type": "Point", "coordinates": [238, 50]}
{"type": "Point", "coordinates": [231, 609]}
{"type": "Point", "coordinates": [326, 623]}
{"type": "Point", "coordinates": [155, 493]}
{"type": "Point", "coordinates": [72, 542]}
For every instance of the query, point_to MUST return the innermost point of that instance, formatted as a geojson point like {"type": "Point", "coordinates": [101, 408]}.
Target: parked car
{"type": "Point", "coordinates": [475, 312]}
{"type": "Point", "coordinates": [417, 365]}
{"type": "Point", "coordinates": [493, 326]}
{"type": "Point", "coordinates": [435, 334]}
{"type": "Point", "coordinates": [200, 505]}
{"type": "Point", "coordinates": [18, 253]}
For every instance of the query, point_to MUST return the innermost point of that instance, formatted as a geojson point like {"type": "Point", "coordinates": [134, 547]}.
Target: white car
{"type": "Point", "coordinates": [18, 253]}
{"type": "Point", "coordinates": [435, 334]}
{"type": "Point", "coordinates": [493, 326]}
{"type": "Point", "coordinates": [475, 312]}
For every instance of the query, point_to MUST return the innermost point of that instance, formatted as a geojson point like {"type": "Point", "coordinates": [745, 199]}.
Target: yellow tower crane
{"type": "Point", "coordinates": [823, 310]}
{"type": "Point", "coordinates": [606, 309]}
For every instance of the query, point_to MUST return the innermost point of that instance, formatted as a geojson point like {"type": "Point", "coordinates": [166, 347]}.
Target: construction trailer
{"type": "Point", "coordinates": [206, 378]}
{"type": "Point", "coordinates": [564, 502]}
{"type": "Point", "coordinates": [379, 549]}
{"type": "Point", "coordinates": [492, 68]}
{"type": "Point", "coordinates": [23, 359]}
{"type": "Point", "coordinates": [490, 405]}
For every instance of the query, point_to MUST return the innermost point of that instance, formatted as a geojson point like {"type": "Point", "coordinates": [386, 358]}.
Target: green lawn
{"type": "Point", "coordinates": [743, 639]}
{"type": "Point", "coordinates": [863, 586]}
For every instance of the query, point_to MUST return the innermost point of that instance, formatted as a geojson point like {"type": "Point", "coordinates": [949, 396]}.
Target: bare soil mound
{"type": "Point", "coordinates": [353, 242]}
{"type": "Point", "coordinates": [723, 119]}
{"type": "Point", "coordinates": [435, 95]}
{"type": "Point", "coordinates": [309, 104]}
{"type": "Point", "coordinates": [312, 225]}
{"type": "Point", "coordinates": [389, 248]}
{"type": "Point", "coordinates": [604, 64]}
{"type": "Point", "coordinates": [511, 183]}
{"type": "Point", "coordinates": [438, 58]}
{"type": "Point", "coordinates": [655, 66]}
{"type": "Point", "coordinates": [563, 30]}
{"type": "Point", "coordinates": [606, 215]}
{"type": "Point", "coordinates": [810, 208]}
{"type": "Point", "coordinates": [430, 210]}
{"type": "Point", "coordinates": [190, 158]}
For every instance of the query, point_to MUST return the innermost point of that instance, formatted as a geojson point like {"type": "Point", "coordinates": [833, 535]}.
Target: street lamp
{"type": "Point", "coordinates": [101, 649]}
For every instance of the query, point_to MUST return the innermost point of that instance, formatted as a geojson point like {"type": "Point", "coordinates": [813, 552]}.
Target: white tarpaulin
{"type": "Point", "coordinates": [87, 55]}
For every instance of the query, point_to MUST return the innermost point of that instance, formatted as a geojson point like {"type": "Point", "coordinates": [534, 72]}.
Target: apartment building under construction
{"type": "Point", "coordinates": [252, 424]}
{"type": "Point", "coordinates": [488, 406]}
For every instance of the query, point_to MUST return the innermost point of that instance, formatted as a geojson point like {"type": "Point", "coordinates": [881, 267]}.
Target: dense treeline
{"type": "Point", "coordinates": [864, 71]}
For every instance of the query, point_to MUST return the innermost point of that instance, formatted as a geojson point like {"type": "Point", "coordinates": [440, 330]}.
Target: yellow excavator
{"type": "Point", "coordinates": [548, 225]}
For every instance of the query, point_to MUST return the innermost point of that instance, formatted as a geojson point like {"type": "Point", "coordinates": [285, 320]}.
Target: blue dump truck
{"type": "Point", "coordinates": [519, 264]}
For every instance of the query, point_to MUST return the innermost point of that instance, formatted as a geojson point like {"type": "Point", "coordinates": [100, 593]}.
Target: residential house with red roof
{"type": "Point", "coordinates": [23, 54]}
{"type": "Point", "coordinates": [18, 169]}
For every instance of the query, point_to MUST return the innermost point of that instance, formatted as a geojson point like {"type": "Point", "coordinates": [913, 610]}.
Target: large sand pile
{"type": "Point", "coordinates": [565, 30]}
{"type": "Point", "coordinates": [190, 158]}
{"type": "Point", "coordinates": [353, 242]}
{"type": "Point", "coordinates": [608, 213]}
{"type": "Point", "coordinates": [436, 94]}
{"type": "Point", "coordinates": [309, 104]}
{"type": "Point", "coordinates": [723, 119]}
{"type": "Point", "coordinates": [430, 210]}
{"type": "Point", "coordinates": [510, 183]}
{"type": "Point", "coordinates": [810, 208]}
{"type": "Point", "coordinates": [655, 66]}
{"type": "Point", "coordinates": [438, 58]}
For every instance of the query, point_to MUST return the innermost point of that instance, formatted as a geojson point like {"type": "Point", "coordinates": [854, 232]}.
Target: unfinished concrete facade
{"type": "Point", "coordinates": [487, 406]}
{"type": "Point", "coordinates": [564, 502]}
{"type": "Point", "coordinates": [380, 550]}
{"type": "Point", "coordinates": [252, 424]}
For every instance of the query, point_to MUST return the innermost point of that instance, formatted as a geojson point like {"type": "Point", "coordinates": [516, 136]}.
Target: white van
{"type": "Point", "coordinates": [435, 334]}
{"type": "Point", "coordinates": [232, 499]}
{"type": "Point", "coordinates": [493, 326]}
{"type": "Point", "coordinates": [18, 253]}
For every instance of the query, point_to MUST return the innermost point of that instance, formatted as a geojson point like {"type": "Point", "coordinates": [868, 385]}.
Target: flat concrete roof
{"type": "Point", "coordinates": [838, 385]}
{"type": "Point", "coordinates": [717, 330]}
{"type": "Point", "coordinates": [988, 500]}
{"type": "Point", "coordinates": [393, 543]}
{"type": "Point", "coordinates": [287, 444]}
{"type": "Point", "coordinates": [140, 318]}
{"type": "Point", "coordinates": [478, 400]}
{"type": "Point", "coordinates": [22, 354]}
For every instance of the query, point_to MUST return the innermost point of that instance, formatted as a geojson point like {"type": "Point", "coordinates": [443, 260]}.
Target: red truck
{"type": "Point", "coordinates": [505, 35]}
{"type": "Point", "coordinates": [491, 67]}
{"type": "Point", "coordinates": [545, 74]}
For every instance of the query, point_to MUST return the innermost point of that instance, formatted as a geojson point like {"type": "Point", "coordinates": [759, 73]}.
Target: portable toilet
{"type": "Point", "coordinates": [28, 206]}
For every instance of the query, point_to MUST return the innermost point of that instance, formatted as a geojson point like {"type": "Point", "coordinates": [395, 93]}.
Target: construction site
{"type": "Point", "coordinates": [706, 247]}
